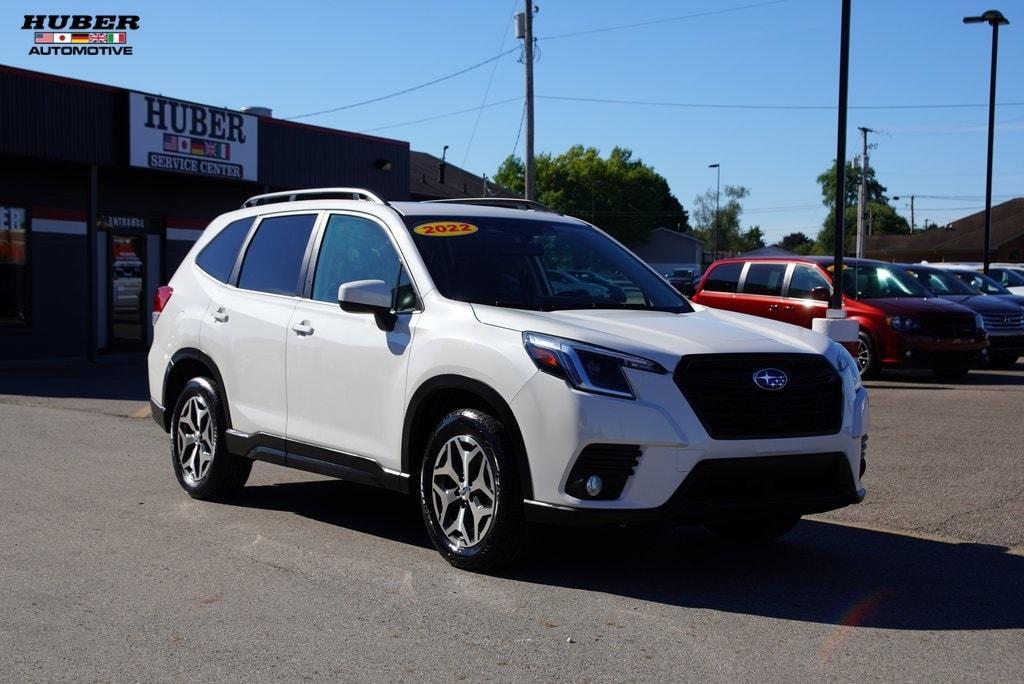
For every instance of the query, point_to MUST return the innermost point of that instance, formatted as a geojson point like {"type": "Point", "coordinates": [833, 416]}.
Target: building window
{"type": "Point", "coordinates": [13, 266]}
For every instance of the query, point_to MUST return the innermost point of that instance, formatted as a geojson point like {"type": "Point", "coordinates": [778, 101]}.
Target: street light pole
{"type": "Point", "coordinates": [996, 19]}
{"type": "Point", "coordinates": [718, 188]}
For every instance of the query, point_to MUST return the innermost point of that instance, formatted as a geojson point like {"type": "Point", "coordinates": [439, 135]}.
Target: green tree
{"type": "Point", "coordinates": [882, 217]}
{"type": "Point", "coordinates": [618, 193]}
{"type": "Point", "coordinates": [730, 238]}
{"type": "Point", "coordinates": [794, 241]}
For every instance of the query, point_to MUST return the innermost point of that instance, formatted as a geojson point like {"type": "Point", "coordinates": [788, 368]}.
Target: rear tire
{"type": "Point", "coordinates": [868, 363]}
{"type": "Point", "coordinates": [470, 496]}
{"type": "Point", "coordinates": [199, 455]}
{"type": "Point", "coordinates": [950, 373]}
{"type": "Point", "coordinates": [762, 529]}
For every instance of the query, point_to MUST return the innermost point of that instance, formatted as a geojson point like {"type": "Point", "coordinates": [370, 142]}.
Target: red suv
{"type": "Point", "coordinates": [901, 323]}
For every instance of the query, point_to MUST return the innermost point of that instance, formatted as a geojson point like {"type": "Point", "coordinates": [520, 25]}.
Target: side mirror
{"type": "Point", "coordinates": [368, 296]}
{"type": "Point", "coordinates": [821, 294]}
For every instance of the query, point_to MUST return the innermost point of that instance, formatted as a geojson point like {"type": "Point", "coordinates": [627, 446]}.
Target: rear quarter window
{"type": "Point", "coordinates": [218, 257]}
{"type": "Point", "coordinates": [724, 278]}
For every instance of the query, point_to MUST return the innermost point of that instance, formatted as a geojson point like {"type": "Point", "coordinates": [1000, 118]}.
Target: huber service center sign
{"type": "Point", "coordinates": [171, 135]}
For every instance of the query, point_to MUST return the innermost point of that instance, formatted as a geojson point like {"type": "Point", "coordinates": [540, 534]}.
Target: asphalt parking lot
{"type": "Point", "coordinates": [111, 573]}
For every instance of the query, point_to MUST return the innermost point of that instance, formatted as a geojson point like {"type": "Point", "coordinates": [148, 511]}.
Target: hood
{"type": "Point", "coordinates": [660, 336]}
{"type": "Point", "coordinates": [984, 304]}
{"type": "Point", "coordinates": [1011, 298]}
{"type": "Point", "coordinates": [914, 305]}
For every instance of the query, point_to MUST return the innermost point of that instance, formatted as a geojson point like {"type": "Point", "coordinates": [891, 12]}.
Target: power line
{"type": "Point", "coordinates": [707, 105]}
{"type": "Point", "coordinates": [487, 90]}
{"type": "Point", "coordinates": [444, 115]}
{"type": "Point", "coordinates": [407, 90]}
{"type": "Point", "coordinates": [508, 52]}
{"type": "Point", "coordinates": [522, 118]}
{"type": "Point", "coordinates": [665, 20]}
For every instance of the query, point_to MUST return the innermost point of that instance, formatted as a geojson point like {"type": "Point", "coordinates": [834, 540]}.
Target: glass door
{"type": "Point", "coordinates": [127, 291]}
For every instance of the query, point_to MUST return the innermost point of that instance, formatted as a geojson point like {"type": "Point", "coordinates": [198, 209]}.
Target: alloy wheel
{"type": "Point", "coordinates": [464, 495]}
{"type": "Point", "coordinates": [195, 440]}
{"type": "Point", "coordinates": [863, 355]}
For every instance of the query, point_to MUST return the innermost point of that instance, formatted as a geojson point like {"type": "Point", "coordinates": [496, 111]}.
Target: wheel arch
{"type": "Point", "coordinates": [442, 394]}
{"type": "Point", "coordinates": [186, 364]}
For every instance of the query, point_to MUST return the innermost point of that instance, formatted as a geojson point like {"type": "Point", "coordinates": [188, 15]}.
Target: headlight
{"type": "Point", "coordinates": [844, 363]}
{"type": "Point", "coordinates": [979, 321]}
{"type": "Point", "coordinates": [904, 323]}
{"type": "Point", "coordinates": [584, 366]}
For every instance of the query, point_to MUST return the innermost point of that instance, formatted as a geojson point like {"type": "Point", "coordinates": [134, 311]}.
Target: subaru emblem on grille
{"type": "Point", "coordinates": [770, 379]}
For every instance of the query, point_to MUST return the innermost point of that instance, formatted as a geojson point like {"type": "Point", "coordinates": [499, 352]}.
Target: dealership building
{"type": "Point", "coordinates": [104, 190]}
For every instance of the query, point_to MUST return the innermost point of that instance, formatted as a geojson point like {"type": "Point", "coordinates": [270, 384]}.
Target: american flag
{"type": "Point", "coordinates": [97, 37]}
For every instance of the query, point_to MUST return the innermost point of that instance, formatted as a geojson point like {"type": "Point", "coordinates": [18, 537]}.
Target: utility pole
{"type": "Point", "coordinates": [531, 190]}
{"type": "Point", "coordinates": [912, 224]}
{"type": "Point", "coordinates": [862, 194]}
{"type": "Point", "coordinates": [718, 210]}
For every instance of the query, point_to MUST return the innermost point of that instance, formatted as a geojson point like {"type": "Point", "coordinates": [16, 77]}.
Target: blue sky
{"type": "Point", "coordinates": [300, 57]}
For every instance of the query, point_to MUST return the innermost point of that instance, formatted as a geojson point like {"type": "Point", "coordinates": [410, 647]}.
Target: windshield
{"type": "Point", "coordinates": [1010, 276]}
{"type": "Point", "coordinates": [942, 283]}
{"type": "Point", "coordinates": [877, 281]}
{"type": "Point", "coordinates": [982, 283]}
{"type": "Point", "coordinates": [536, 264]}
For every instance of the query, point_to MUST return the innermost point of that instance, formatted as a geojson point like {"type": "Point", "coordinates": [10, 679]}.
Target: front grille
{"type": "Point", "coordinates": [949, 326]}
{"type": "Point", "coordinates": [721, 390]}
{"type": "Point", "coordinates": [613, 463]}
{"type": "Point", "coordinates": [999, 321]}
{"type": "Point", "coordinates": [729, 482]}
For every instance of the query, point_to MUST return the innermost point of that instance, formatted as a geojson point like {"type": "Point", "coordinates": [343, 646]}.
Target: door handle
{"type": "Point", "coordinates": [773, 307]}
{"type": "Point", "coordinates": [220, 315]}
{"type": "Point", "coordinates": [303, 329]}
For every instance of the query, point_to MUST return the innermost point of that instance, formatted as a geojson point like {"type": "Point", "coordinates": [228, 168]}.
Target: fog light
{"type": "Point", "coordinates": [594, 485]}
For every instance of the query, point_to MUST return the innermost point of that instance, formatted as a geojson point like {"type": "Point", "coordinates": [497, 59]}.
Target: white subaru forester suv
{"type": "Point", "coordinates": [421, 347]}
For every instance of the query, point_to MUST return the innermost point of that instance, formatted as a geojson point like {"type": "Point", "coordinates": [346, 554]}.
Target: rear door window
{"type": "Point", "coordinates": [273, 261]}
{"type": "Point", "coordinates": [219, 255]}
{"type": "Point", "coordinates": [724, 278]}
{"type": "Point", "coordinates": [765, 279]}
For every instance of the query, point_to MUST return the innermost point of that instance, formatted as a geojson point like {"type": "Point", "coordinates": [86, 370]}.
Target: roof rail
{"type": "Point", "coordinates": [312, 193]}
{"type": "Point", "coordinates": [506, 202]}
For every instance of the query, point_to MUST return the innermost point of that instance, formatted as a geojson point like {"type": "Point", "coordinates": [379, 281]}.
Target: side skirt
{"type": "Point", "coordinates": [260, 446]}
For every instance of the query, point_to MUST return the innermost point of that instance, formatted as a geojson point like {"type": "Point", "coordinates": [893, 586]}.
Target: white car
{"type": "Point", "coordinates": [419, 347]}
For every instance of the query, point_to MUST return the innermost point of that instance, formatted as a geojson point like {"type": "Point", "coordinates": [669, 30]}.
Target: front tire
{"type": "Point", "coordinates": [470, 496]}
{"type": "Point", "coordinates": [199, 455]}
{"type": "Point", "coordinates": [761, 529]}
{"type": "Point", "coordinates": [868, 363]}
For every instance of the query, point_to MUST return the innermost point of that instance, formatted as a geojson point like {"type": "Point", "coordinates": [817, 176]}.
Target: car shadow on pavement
{"type": "Point", "coordinates": [820, 572]}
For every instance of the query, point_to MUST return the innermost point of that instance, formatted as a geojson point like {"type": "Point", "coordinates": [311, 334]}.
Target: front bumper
{"type": "Point", "coordinates": [719, 490]}
{"type": "Point", "coordinates": [924, 351]}
{"type": "Point", "coordinates": [674, 445]}
{"type": "Point", "coordinates": [1000, 341]}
